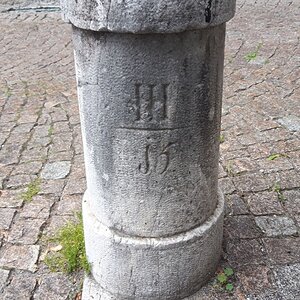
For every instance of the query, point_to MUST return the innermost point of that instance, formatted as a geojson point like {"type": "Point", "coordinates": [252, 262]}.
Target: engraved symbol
{"type": "Point", "coordinates": [151, 102]}
{"type": "Point", "coordinates": [156, 161]}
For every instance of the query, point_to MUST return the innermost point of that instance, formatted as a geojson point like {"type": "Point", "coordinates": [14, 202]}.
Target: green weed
{"type": "Point", "coordinates": [7, 91]}
{"type": "Point", "coordinates": [253, 55]}
{"type": "Point", "coordinates": [222, 138]}
{"type": "Point", "coordinates": [33, 189]}
{"type": "Point", "coordinates": [50, 130]}
{"type": "Point", "coordinates": [71, 255]}
{"type": "Point", "coordinates": [277, 189]}
{"type": "Point", "coordinates": [224, 279]}
{"type": "Point", "coordinates": [275, 156]}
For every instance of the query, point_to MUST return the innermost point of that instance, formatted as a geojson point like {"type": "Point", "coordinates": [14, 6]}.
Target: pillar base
{"type": "Point", "coordinates": [93, 291]}
{"type": "Point", "coordinates": [128, 267]}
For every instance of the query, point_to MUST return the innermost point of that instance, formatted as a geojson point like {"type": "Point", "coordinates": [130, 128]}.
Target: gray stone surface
{"type": "Point", "coordinates": [276, 225]}
{"type": "Point", "coordinates": [37, 48]}
{"type": "Point", "coordinates": [147, 16]}
{"type": "Point", "coordinates": [20, 257]}
{"type": "Point", "coordinates": [160, 268]}
{"type": "Point", "coordinates": [291, 122]}
{"type": "Point", "coordinates": [287, 279]}
{"type": "Point", "coordinates": [145, 138]}
{"type": "Point", "coordinates": [150, 107]}
{"type": "Point", "coordinates": [6, 217]}
{"type": "Point", "coordinates": [56, 170]}
{"type": "Point", "coordinates": [3, 278]}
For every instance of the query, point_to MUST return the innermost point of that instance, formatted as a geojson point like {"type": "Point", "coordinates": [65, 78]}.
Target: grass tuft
{"type": "Point", "coordinates": [253, 55]}
{"type": "Point", "coordinates": [32, 190]}
{"type": "Point", "coordinates": [71, 256]}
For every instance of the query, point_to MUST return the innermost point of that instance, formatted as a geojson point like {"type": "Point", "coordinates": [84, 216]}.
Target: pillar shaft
{"type": "Point", "coordinates": [150, 96]}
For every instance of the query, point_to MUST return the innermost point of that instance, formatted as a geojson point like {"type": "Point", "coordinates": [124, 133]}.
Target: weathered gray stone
{"type": "Point", "coordinates": [150, 107]}
{"type": "Point", "coordinates": [38, 208]}
{"type": "Point", "coordinates": [20, 257]}
{"type": "Point", "coordinates": [11, 198]}
{"type": "Point", "coordinates": [287, 279]}
{"type": "Point", "coordinates": [147, 16]}
{"type": "Point", "coordinates": [291, 122]}
{"type": "Point", "coordinates": [56, 170]}
{"type": "Point", "coordinates": [276, 225]}
{"type": "Point", "coordinates": [53, 287]}
{"type": "Point", "coordinates": [3, 278]}
{"type": "Point", "coordinates": [25, 231]}
{"type": "Point", "coordinates": [160, 268]}
{"type": "Point", "coordinates": [6, 217]}
{"type": "Point", "coordinates": [21, 286]}
{"type": "Point", "coordinates": [145, 172]}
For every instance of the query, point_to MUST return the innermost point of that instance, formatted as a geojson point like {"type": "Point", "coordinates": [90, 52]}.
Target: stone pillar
{"type": "Point", "coordinates": [149, 77]}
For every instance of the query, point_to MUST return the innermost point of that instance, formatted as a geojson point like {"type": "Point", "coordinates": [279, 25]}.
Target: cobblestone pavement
{"type": "Point", "coordinates": [40, 139]}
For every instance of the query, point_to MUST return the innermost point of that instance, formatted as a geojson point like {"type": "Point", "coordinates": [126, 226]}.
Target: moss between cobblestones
{"type": "Point", "coordinates": [71, 257]}
{"type": "Point", "coordinates": [33, 189]}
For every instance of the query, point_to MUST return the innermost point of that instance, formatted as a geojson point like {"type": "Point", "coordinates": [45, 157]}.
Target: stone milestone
{"type": "Point", "coordinates": [149, 76]}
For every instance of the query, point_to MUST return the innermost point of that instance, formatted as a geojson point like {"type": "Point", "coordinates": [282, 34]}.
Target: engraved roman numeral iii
{"type": "Point", "coordinates": [151, 102]}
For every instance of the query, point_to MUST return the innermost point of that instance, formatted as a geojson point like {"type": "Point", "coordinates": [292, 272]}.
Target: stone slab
{"type": "Point", "coordinates": [276, 225]}
{"type": "Point", "coordinates": [56, 170]}
{"type": "Point", "coordinates": [20, 257]}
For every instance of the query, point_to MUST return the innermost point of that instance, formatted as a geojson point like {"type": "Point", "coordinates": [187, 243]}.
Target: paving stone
{"type": "Point", "coordinates": [288, 179]}
{"type": "Point", "coordinates": [279, 164]}
{"type": "Point", "coordinates": [52, 186]}
{"type": "Point", "coordinates": [23, 128]}
{"type": "Point", "coordinates": [6, 217]}
{"type": "Point", "coordinates": [254, 182]}
{"type": "Point", "coordinates": [23, 257]}
{"type": "Point", "coordinates": [291, 122]}
{"type": "Point", "coordinates": [264, 203]}
{"type": "Point", "coordinates": [4, 274]}
{"type": "Point", "coordinates": [283, 250]}
{"type": "Point", "coordinates": [10, 154]}
{"type": "Point", "coordinates": [292, 201]}
{"type": "Point", "coordinates": [61, 142]}
{"type": "Point", "coordinates": [17, 181]}
{"type": "Point", "coordinates": [25, 231]}
{"type": "Point", "coordinates": [34, 154]}
{"type": "Point", "coordinates": [245, 252]}
{"type": "Point", "coordinates": [55, 286]}
{"type": "Point", "coordinates": [226, 185]}
{"type": "Point", "coordinates": [60, 156]}
{"type": "Point", "coordinates": [57, 222]}
{"type": "Point", "coordinates": [256, 280]}
{"type": "Point", "coordinates": [287, 279]}
{"type": "Point", "coordinates": [21, 286]}
{"type": "Point", "coordinates": [11, 198]}
{"type": "Point", "coordinates": [56, 170]}
{"type": "Point", "coordinates": [75, 186]}
{"type": "Point", "coordinates": [38, 208]}
{"type": "Point", "coordinates": [26, 118]}
{"type": "Point", "coordinates": [235, 205]}
{"type": "Point", "coordinates": [29, 168]}
{"type": "Point", "coordinates": [61, 127]}
{"type": "Point", "coordinates": [276, 225]}
{"type": "Point", "coordinates": [242, 165]}
{"type": "Point", "coordinates": [69, 204]}
{"type": "Point", "coordinates": [241, 227]}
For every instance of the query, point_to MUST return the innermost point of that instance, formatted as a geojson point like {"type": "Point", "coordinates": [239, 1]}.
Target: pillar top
{"type": "Point", "coordinates": [147, 16]}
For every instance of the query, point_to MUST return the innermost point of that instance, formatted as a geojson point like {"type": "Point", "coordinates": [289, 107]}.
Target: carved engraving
{"type": "Point", "coordinates": [156, 161]}
{"type": "Point", "coordinates": [151, 102]}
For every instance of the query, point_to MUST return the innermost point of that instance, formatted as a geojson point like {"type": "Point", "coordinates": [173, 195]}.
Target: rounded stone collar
{"type": "Point", "coordinates": [147, 16]}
